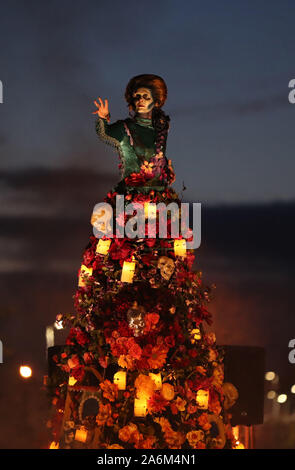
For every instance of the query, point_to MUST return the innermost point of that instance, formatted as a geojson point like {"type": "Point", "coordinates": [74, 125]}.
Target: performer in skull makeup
{"type": "Point", "coordinates": [140, 309]}
{"type": "Point", "coordinates": [140, 139]}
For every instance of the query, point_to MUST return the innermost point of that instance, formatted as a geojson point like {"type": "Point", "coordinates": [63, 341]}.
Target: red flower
{"type": "Point", "coordinates": [81, 337]}
{"type": "Point", "coordinates": [170, 341]}
{"type": "Point", "coordinates": [157, 403]}
{"type": "Point", "coordinates": [78, 373]}
{"type": "Point", "coordinates": [121, 249]}
{"type": "Point", "coordinates": [135, 179]}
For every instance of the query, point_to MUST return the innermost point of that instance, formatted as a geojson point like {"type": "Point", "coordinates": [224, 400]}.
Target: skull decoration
{"type": "Point", "coordinates": [166, 266]}
{"type": "Point", "coordinates": [101, 218]}
{"type": "Point", "coordinates": [135, 317]}
{"type": "Point", "coordinates": [231, 395]}
{"type": "Point", "coordinates": [219, 441]}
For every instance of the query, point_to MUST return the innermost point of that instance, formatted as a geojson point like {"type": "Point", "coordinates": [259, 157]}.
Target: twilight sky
{"type": "Point", "coordinates": [227, 65]}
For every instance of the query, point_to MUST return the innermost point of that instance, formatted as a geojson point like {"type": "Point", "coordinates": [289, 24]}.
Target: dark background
{"type": "Point", "coordinates": [227, 66]}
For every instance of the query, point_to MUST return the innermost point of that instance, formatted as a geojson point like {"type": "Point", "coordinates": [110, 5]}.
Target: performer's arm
{"type": "Point", "coordinates": [109, 133]}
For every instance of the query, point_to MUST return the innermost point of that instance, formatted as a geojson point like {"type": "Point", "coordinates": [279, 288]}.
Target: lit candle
{"type": "Point", "coordinates": [84, 270]}
{"type": "Point", "coordinates": [157, 379]}
{"type": "Point", "coordinates": [140, 407]}
{"type": "Point", "coordinates": [103, 246]}
{"type": "Point", "coordinates": [150, 210]}
{"type": "Point", "coordinates": [120, 379]}
{"type": "Point", "coordinates": [239, 445]}
{"type": "Point", "coordinates": [128, 271]}
{"type": "Point", "coordinates": [180, 247]}
{"type": "Point", "coordinates": [202, 399]}
{"type": "Point", "coordinates": [72, 381]}
{"type": "Point", "coordinates": [54, 445]}
{"type": "Point", "coordinates": [81, 434]}
{"type": "Point", "coordinates": [196, 335]}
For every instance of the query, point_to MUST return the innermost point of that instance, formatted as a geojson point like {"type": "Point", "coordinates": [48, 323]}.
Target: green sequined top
{"type": "Point", "coordinates": [134, 140]}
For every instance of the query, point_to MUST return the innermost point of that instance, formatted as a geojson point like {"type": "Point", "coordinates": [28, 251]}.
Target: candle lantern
{"type": "Point", "coordinates": [157, 379]}
{"type": "Point", "coordinates": [103, 246]}
{"type": "Point", "coordinates": [150, 210]}
{"type": "Point", "coordinates": [202, 399]}
{"type": "Point", "coordinates": [120, 379]}
{"type": "Point", "coordinates": [239, 445]}
{"type": "Point", "coordinates": [140, 407]}
{"type": "Point", "coordinates": [81, 434]}
{"type": "Point", "coordinates": [84, 270]}
{"type": "Point", "coordinates": [128, 271]}
{"type": "Point", "coordinates": [180, 247]}
{"type": "Point", "coordinates": [54, 445]}
{"type": "Point", "coordinates": [72, 381]}
{"type": "Point", "coordinates": [196, 335]}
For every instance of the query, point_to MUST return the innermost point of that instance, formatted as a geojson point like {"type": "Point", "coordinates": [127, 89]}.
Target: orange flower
{"type": "Point", "coordinates": [134, 350]}
{"type": "Point", "coordinates": [157, 403]}
{"type": "Point", "coordinates": [203, 422]}
{"type": "Point", "coordinates": [126, 361]}
{"type": "Point", "coordinates": [151, 319]}
{"type": "Point", "coordinates": [180, 403]}
{"type": "Point", "coordinates": [191, 408]}
{"type": "Point", "coordinates": [130, 434]}
{"type": "Point", "coordinates": [158, 357]}
{"type": "Point", "coordinates": [146, 443]}
{"type": "Point", "coordinates": [214, 404]}
{"type": "Point", "coordinates": [201, 370]}
{"type": "Point", "coordinates": [218, 375]}
{"type": "Point", "coordinates": [110, 390]}
{"type": "Point", "coordinates": [167, 391]}
{"type": "Point", "coordinates": [174, 439]}
{"type": "Point", "coordinates": [145, 386]}
{"type": "Point", "coordinates": [194, 437]}
{"type": "Point", "coordinates": [104, 413]}
{"type": "Point", "coordinates": [115, 446]}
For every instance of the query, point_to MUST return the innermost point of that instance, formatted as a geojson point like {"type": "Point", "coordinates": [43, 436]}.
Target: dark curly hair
{"type": "Point", "coordinates": [158, 88]}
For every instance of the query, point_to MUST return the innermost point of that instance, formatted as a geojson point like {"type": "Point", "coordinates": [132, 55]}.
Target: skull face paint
{"type": "Point", "coordinates": [143, 100]}
{"type": "Point", "coordinates": [166, 266]}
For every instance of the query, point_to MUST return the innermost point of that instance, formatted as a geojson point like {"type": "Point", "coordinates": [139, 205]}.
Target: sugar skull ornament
{"type": "Point", "coordinates": [231, 395]}
{"type": "Point", "coordinates": [166, 267]}
{"type": "Point", "coordinates": [136, 320]}
{"type": "Point", "coordinates": [101, 219]}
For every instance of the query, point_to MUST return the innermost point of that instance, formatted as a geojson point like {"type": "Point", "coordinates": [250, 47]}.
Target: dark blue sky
{"type": "Point", "coordinates": [227, 65]}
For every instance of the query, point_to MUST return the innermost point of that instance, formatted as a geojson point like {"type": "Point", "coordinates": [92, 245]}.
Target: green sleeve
{"type": "Point", "coordinates": [111, 134]}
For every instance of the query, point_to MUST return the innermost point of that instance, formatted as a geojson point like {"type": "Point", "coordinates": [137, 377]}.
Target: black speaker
{"type": "Point", "coordinates": [244, 367]}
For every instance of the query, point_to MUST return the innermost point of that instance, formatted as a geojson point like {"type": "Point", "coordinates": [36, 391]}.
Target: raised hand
{"type": "Point", "coordinates": [103, 109]}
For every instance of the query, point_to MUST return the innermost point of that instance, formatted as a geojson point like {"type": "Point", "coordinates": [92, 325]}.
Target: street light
{"type": "Point", "coordinates": [25, 372]}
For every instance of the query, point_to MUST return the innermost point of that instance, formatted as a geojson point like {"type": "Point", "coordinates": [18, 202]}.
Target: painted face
{"type": "Point", "coordinates": [143, 100]}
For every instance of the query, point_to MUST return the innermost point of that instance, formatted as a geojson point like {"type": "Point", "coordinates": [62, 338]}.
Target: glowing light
{"type": "Point", "coordinates": [180, 247]}
{"type": "Point", "coordinates": [49, 336]}
{"type": "Point", "coordinates": [128, 271]}
{"type": "Point", "coordinates": [270, 376]}
{"type": "Point", "coordinates": [282, 398]}
{"type": "Point", "coordinates": [293, 389]}
{"type": "Point", "coordinates": [271, 394]}
{"type": "Point", "coordinates": [58, 325]}
{"type": "Point", "coordinates": [140, 407]}
{"type": "Point", "coordinates": [103, 246]}
{"type": "Point", "coordinates": [120, 379]}
{"type": "Point", "coordinates": [54, 445]}
{"type": "Point", "coordinates": [25, 372]}
{"type": "Point", "coordinates": [72, 381]}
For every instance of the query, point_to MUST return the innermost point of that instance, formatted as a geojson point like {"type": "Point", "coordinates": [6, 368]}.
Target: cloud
{"type": "Point", "coordinates": [242, 108]}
